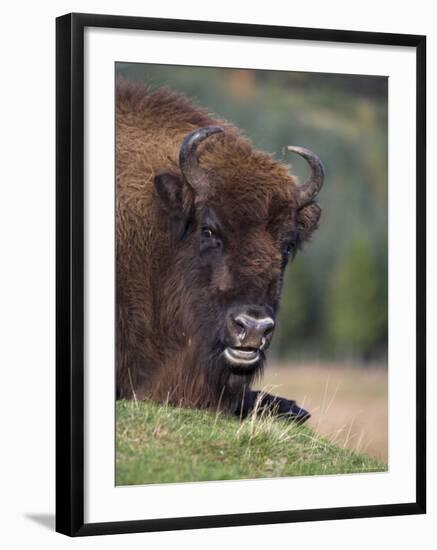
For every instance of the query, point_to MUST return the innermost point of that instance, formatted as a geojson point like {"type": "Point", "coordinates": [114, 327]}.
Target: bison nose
{"type": "Point", "coordinates": [251, 332]}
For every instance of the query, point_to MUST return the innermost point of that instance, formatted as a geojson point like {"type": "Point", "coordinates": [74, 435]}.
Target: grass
{"type": "Point", "coordinates": [348, 404]}
{"type": "Point", "coordinates": [163, 444]}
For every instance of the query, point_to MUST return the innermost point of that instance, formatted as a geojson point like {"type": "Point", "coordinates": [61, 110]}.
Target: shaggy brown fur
{"type": "Point", "coordinates": [172, 298]}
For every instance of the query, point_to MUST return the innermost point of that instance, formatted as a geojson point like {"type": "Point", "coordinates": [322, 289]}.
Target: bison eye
{"type": "Point", "coordinates": [209, 240]}
{"type": "Point", "coordinates": [207, 233]}
{"type": "Point", "coordinates": [288, 252]}
{"type": "Point", "coordinates": [290, 245]}
{"type": "Point", "coordinates": [288, 249]}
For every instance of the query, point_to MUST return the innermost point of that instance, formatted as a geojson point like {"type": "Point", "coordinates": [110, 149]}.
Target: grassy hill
{"type": "Point", "coordinates": [164, 444]}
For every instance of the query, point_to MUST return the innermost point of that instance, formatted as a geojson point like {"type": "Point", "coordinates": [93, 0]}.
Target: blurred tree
{"type": "Point", "coordinates": [298, 315]}
{"type": "Point", "coordinates": [356, 310]}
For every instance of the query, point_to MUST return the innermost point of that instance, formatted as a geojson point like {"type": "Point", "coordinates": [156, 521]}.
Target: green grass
{"type": "Point", "coordinates": [164, 444]}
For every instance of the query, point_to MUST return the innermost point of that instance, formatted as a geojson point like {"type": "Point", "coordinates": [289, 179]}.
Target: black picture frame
{"type": "Point", "coordinates": [70, 273]}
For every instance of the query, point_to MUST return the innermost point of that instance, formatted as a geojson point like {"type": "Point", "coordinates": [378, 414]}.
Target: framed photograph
{"type": "Point", "coordinates": [240, 274]}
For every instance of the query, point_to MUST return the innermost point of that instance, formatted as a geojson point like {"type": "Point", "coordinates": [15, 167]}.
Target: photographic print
{"type": "Point", "coordinates": [238, 291]}
{"type": "Point", "coordinates": [251, 259]}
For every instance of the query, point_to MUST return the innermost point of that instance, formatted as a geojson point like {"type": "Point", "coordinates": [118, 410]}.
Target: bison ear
{"type": "Point", "coordinates": [169, 188]}
{"type": "Point", "coordinates": [307, 220]}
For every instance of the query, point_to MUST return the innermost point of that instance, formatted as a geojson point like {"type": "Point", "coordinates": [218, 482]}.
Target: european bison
{"type": "Point", "coordinates": [205, 226]}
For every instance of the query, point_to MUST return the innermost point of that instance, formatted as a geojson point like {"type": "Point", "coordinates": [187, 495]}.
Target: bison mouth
{"type": "Point", "coordinates": [248, 330]}
{"type": "Point", "coordinates": [239, 358]}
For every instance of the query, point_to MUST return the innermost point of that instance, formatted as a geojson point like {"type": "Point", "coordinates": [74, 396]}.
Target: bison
{"type": "Point", "coordinates": [205, 227]}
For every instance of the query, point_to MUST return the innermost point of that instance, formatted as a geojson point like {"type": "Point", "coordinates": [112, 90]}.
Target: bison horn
{"type": "Point", "coordinates": [313, 184]}
{"type": "Point", "coordinates": [188, 161]}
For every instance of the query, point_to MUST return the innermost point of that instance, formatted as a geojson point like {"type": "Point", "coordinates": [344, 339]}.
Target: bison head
{"type": "Point", "coordinates": [234, 217]}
